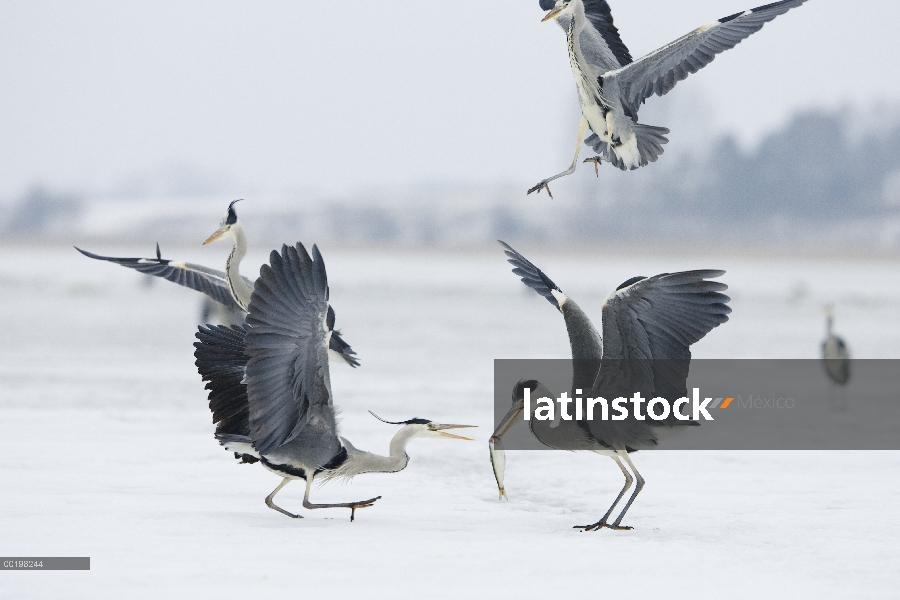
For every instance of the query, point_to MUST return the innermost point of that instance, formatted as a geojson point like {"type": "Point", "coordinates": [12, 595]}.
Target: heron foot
{"type": "Point", "coordinates": [596, 160]}
{"type": "Point", "coordinates": [600, 525]}
{"type": "Point", "coordinates": [542, 186]}
{"type": "Point", "coordinates": [364, 504]}
{"type": "Point", "coordinates": [595, 527]}
{"type": "Point", "coordinates": [274, 506]}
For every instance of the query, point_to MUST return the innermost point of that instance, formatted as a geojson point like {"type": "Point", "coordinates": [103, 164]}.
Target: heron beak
{"type": "Point", "coordinates": [216, 236]}
{"type": "Point", "coordinates": [551, 14]}
{"type": "Point", "coordinates": [442, 433]}
{"type": "Point", "coordinates": [508, 421]}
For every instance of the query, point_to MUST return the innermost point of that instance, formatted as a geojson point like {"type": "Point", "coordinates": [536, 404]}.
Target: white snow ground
{"type": "Point", "coordinates": [107, 449]}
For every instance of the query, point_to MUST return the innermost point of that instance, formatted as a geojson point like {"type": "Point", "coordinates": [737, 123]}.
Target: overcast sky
{"type": "Point", "coordinates": [338, 96]}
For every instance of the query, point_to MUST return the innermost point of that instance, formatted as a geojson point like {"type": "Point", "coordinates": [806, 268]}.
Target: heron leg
{"type": "Point", "coordinates": [602, 522]}
{"type": "Point", "coordinates": [637, 490]}
{"type": "Point", "coordinates": [351, 505]}
{"type": "Point", "coordinates": [273, 506]}
{"type": "Point", "coordinates": [596, 160]}
{"type": "Point", "coordinates": [582, 130]}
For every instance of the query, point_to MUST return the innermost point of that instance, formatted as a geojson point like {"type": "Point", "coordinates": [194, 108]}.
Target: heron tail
{"type": "Point", "coordinates": [241, 445]}
{"type": "Point", "coordinates": [643, 150]}
{"type": "Point", "coordinates": [650, 142]}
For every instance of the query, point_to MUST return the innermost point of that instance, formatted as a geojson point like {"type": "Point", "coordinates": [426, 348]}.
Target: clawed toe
{"type": "Point", "coordinates": [600, 525]}
{"type": "Point", "coordinates": [596, 160]}
{"type": "Point", "coordinates": [361, 504]}
{"type": "Point", "coordinates": [541, 186]}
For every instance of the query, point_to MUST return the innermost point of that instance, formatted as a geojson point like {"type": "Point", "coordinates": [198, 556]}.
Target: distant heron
{"type": "Point", "coordinates": [230, 289]}
{"type": "Point", "coordinates": [270, 389]}
{"type": "Point", "coordinates": [835, 352]}
{"type": "Point", "coordinates": [649, 324]}
{"type": "Point", "coordinates": [611, 86]}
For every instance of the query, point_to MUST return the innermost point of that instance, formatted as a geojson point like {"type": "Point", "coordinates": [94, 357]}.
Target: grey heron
{"type": "Point", "coordinates": [835, 352]}
{"type": "Point", "coordinates": [649, 324]}
{"type": "Point", "coordinates": [228, 289]}
{"type": "Point", "coordinates": [270, 388]}
{"type": "Point", "coordinates": [611, 86]}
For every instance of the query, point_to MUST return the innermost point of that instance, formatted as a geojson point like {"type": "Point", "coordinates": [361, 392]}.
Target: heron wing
{"type": "Point", "coordinates": [196, 277]}
{"type": "Point", "coordinates": [649, 325]}
{"type": "Point", "coordinates": [288, 383]}
{"type": "Point", "coordinates": [211, 282]}
{"type": "Point", "coordinates": [658, 72]}
{"type": "Point", "coordinates": [222, 361]}
{"type": "Point", "coordinates": [599, 41]}
{"type": "Point", "coordinates": [585, 342]}
{"type": "Point", "coordinates": [530, 274]}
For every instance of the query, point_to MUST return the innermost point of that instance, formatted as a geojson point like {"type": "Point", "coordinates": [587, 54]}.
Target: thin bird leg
{"type": "Point", "coordinates": [637, 490]}
{"type": "Point", "coordinates": [602, 522]}
{"type": "Point", "coordinates": [351, 505]}
{"type": "Point", "coordinates": [582, 131]}
{"type": "Point", "coordinates": [272, 505]}
{"type": "Point", "coordinates": [596, 160]}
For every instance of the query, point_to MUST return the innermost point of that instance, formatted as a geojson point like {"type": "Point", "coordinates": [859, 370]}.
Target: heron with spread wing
{"type": "Point", "coordinates": [612, 86]}
{"type": "Point", "coordinates": [228, 289]}
{"type": "Point", "coordinates": [649, 324]}
{"type": "Point", "coordinates": [270, 388]}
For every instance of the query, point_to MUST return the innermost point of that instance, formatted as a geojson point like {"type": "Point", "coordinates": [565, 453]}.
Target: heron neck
{"type": "Point", "coordinates": [240, 291]}
{"type": "Point", "coordinates": [396, 461]}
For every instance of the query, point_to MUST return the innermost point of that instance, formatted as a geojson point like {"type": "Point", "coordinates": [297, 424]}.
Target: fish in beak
{"type": "Point", "coordinates": [498, 462]}
{"type": "Point", "coordinates": [440, 431]}
{"type": "Point", "coordinates": [217, 235]}
{"type": "Point", "coordinates": [498, 453]}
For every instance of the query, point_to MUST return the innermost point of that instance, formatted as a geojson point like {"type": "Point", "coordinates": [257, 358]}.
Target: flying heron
{"type": "Point", "coordinates": [270, 389]}
{"type": "Point", "coordinates": [649, 324]}
{"type": "Point", "coordinates": [836, 357]}
{"type": "Point", "coordinates": [229, 289]}
{"type": "Point", "coordinates": [611, 86]}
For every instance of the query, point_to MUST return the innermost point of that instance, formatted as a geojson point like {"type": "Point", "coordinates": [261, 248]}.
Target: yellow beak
{"type": "Point", "coordinates": [450, 435]}
{"type": "Point", "coordinates": [508, 421]}
{"type": "Point", "coordinates": [551, 14]}
{"type": "Point", "coordinates": [216, 236]}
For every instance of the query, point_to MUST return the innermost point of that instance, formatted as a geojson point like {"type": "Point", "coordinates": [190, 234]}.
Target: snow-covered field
{"type": "Point", "coordinates": [107, 449]}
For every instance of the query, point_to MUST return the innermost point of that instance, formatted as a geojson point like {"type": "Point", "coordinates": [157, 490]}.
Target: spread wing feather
{"type": "Point", "coordinates": [530, 274]}
{"type": "Point", "coordinates": [208, 281]}
{"type": "Point", "coordinates": [196, 277]}
{"type": "Point", "coordinates": [658, 72]}
{"type": "Point", "coordinates": [649, 326]}
{"type": "Point", "coordinates": [288, 383]}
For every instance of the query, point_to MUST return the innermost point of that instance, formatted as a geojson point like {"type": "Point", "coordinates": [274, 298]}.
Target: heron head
{"type": "Point", "coordinates": [226, 227]}
{"type": "Point", "coordinates": [518, 405]}
{"type": "Point", "coordinates": [557, 8]}
{"type": "Point", "coordinates": [428, 429]}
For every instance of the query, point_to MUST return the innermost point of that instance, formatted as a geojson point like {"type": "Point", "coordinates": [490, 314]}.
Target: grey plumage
{"type": "Point", "coordinates": [196, 277]}
{"type": "Point", "coordinates": [611, 86]}
{"type": "Point", "coordinates": [230, 289]}
{"type": "Point", "coordinates": [835, 353]}
{"type": "Point", "coordinates": [270, 387]}
{"type": "Point", "coordinates": [288, 381]}
{"type": "Point", "coordinates": [649, 324]}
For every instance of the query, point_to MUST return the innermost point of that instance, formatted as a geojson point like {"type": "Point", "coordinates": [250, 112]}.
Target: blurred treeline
{"type": "Point", "coordinates": [822, 180]}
